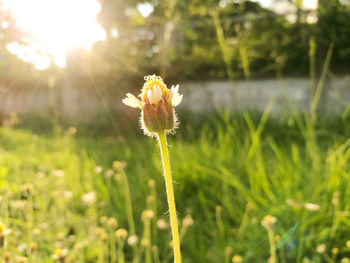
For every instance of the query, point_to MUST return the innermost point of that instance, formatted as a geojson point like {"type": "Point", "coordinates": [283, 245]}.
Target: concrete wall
{"type": "Point", "coordinates": [198, 97]}
{"type": "Point", "coordinates": [256, 94]}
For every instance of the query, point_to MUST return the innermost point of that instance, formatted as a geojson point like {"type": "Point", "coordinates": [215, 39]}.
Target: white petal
{"type": "Point", "coordinates": [176, 89]}
{"type": "Point", "coordinates": [173, 92]}
{"type": "Point", "coordinates": [175, 96]}
{"type": "Point", "coordinates": [158, 93]}
{"type": "Point", "coordinates": [154, 95]}
{"type": "Point", "coordinates": [132, 101]}
{"type": "Point", "coordinates": [176, 100]}
{"type": "Point", "coordinates": [150, 96]}
{"type": "Point", "coordinates": [139, 102]}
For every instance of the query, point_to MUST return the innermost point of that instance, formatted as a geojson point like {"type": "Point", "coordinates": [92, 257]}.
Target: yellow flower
{"type": "Point", "coordinates": [121, 234]}
{"type": "Point", "coordinates": [3, 233]}
{"type": "Point", "coordinates": [147, 215]}
{"type": "Point", "coordinates": [60, 254]}
{"type": "Point", "coordinates": [237, 259]}
{"type": "Point", "coordinates": [157, 105]}
{"type": "Point", "coordinates": [269, 221]}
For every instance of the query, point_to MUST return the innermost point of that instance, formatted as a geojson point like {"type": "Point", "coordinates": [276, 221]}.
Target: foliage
{"type": "Point", "coordinates": [259, 41]}
{"type": "Point", "coordinates": [57, 190]}
{"type": "Point", "coordinates": [180, 40]}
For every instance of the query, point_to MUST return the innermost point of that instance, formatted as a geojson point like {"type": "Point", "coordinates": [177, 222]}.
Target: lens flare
{"type": "Point", "coordinates": [56, 26]}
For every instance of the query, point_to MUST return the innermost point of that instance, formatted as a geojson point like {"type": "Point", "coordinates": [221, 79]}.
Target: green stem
{"type": "Point", "coordinates": [148, 238]}
{"type": "Point", "coordinates": [135, 258]}
{"type": "Point", "coordinates": [101, 257]}
{"type": "Point", "coordinates": [272, 246]}
{"type": "Point", "coordinates": [121, 252]}
{"type": "Point", "coordinates": [170, 194]}
{"type": "Point", "coordinates": [128, 204]}
{"type": "Point", "coordinates": [112, 245]}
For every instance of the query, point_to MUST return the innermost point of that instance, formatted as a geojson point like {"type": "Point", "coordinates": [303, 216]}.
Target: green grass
{"type": "Point", "coordinates": [229, 173]}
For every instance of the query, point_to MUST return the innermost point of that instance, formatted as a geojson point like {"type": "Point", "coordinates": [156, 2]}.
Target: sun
{"type": "Point", "coordinates": [56, 25]}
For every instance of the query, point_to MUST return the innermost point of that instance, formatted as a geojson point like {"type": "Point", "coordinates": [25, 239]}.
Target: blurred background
{"type": "Point", "coordinates": [260, 161]}
{"type": "Point", "coordinates": [67, 58]}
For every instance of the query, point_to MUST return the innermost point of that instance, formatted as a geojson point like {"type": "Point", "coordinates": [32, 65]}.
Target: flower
{"type": "Point", "coordinates": [132, 240]}
{"type": "Point", "coordinates": [89, 198]}
{"type": "Point", "coordinates": [147, 215]}
{"type": "Point", "coordinates": [321, 248]}
{"type": "Point", "coordinates": [268, 221]}
{"type": "Point", "coordinates": [162, 224]}
{"type": "Point", "coordinates": [187, 221]}
{"type": "Point", "coordinates": [348, 243]}
{"type": "Point", "coordinates": [58, 173]}
{"type": "Point", "coordinates": [312, 207]}
{"type": "Point", "coordinates": [3, 233]}
{"type": "Point", "coordinates": [157, 105]}
{"type": "Point", "coordinates": [60, 254]}
{"type": "Point", "coordinates": [335, 250]}
{"type": "Point", "coordinates": [121, 234]}
{"type": "Point", "coordinates": [237, 259]}
{"type": "Point", "coordinates": [112, 222]}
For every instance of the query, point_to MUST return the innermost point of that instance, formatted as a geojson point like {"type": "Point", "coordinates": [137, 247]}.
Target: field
{"type": "Point", "coordinates": [68, 194]}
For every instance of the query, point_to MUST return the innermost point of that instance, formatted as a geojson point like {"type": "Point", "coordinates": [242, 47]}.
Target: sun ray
{"type": "Point", "coordinates": [56, 26]}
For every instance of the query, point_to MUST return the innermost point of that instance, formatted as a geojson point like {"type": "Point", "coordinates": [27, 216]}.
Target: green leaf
{"type": "Point", "coordinates": [286, 237]}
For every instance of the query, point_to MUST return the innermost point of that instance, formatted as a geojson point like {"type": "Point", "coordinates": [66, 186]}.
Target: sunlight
{"type": "Point", "coordinates": [56, 25]}
{"type": "Point", "coordinates": [145, 9]}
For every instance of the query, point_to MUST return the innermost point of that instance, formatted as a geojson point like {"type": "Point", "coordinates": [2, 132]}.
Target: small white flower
{"type": "Point", "coordinates": [67, 194]}
{"type": "Point", "coordinates": [98, 169]}
{"type": "Point", "coordinates": [132, 240]}
{"type": "Point", "coordinates": [187, 221]}
{"type": "Point", "coordinates": [321, 248]}
{"type": "Point", "coordinates": [58, 173]}
{"type": "Point", "coordinates": [109, 173]}
{"type": "Point", "coordinates": [312, 207]}
{"type": "Point", "coordinates": [89, 198]}
{"type": "Point", "coordinates": [147, 215]}
{"type": "Point", "coordinates": [162, 224]}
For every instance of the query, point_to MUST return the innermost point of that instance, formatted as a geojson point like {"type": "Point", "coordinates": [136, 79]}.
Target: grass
{"type": "Point", "coordinates": [60, 189]}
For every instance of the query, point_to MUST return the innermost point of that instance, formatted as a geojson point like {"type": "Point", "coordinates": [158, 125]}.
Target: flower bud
{"type": "Point", "coordinates": [269, 221]}
{"type": "Point", "coordinates": [158, 118]}
{"type": "Point", "coordinates": [157, 105]}
{"type": "Point", "coordinates": [112, 222]}
{"type": "Point", "coordinates": [321, 248]}
{"type": "Point", "coordinates": [162, 224]}
{"type": "Point", "coordinates": [147, 215]}
{"type": "Point", "coordinates": [132, 240]}
{"type": "Point", "coordinates": [187, 221]}
{"type": "Point", "coordinates": [121, 234]}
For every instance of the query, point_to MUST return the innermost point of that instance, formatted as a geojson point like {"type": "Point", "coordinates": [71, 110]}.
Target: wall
{"type": "Point", "coordinates": [198, 97]}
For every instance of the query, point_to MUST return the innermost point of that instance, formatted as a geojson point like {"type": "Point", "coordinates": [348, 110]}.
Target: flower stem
{"type": "Point", "coordinates": [170, 194]}
{"type": "Point", "coordinates": [273, 258]}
